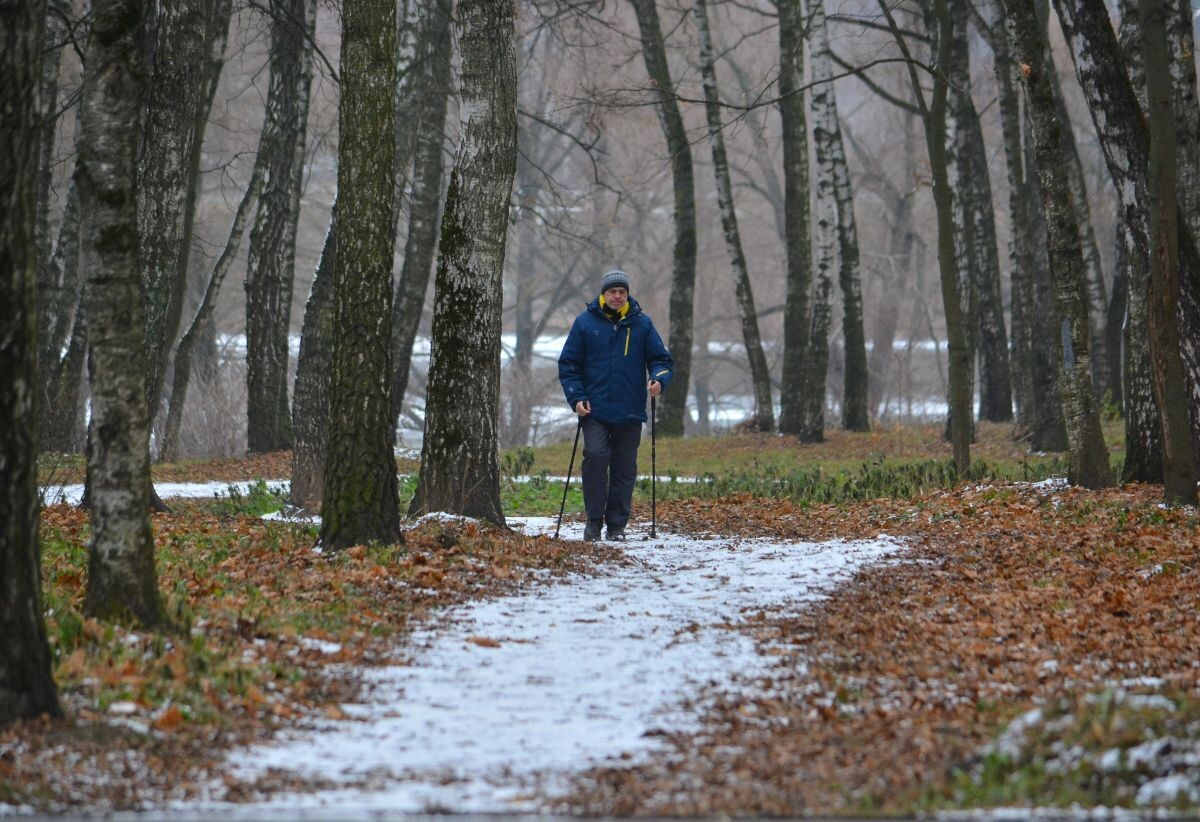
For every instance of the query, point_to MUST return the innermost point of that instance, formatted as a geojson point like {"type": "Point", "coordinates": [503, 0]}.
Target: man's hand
{"type": "Point", "coordinates": [583, 408]}
{"type": "Point", "coordinates": [655, 387]}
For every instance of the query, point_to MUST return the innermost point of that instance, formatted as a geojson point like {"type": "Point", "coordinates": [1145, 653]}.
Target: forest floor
{"type": "Point", "coordinates": [1007, 643]}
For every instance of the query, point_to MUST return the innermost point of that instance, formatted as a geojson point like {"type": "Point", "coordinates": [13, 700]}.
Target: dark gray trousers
{"type": "Point", "coordinates": [609, 469]}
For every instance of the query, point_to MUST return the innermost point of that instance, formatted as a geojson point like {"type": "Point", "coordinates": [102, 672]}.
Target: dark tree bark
{"type": "Point", "coordinates": [55, 294]}
{"type": "Point", "coordinates": [431, 92]}
{"type": "Point", "coordinates": [1097, 293]}
{"type": "Point", "coordinates": [672, 408]}
{"type": "Point", "coordinates": [1114, 324]}
{"type": "Point", "coordinates": [270, 271]}
{"type": "Point", "coordinates": [122, 583]}
{"type": "Point", "coordinates": [1049, 431]}
{"type": "Point", "coordinates": [26, 684]}
{"type": "Point", "coordinates": [1121, 127]}
{"type": "Point", "coordinates": [1143, 430]}
{"type": "Point", "coordinates": [934, 116]}
{"type": "Point", "coordinates": [816, 355]}
{"type": "Point", "coordinates": [764, 410]}
{"type": "Point", "coordinates": [360, 502]}
{"type": "Point", "coordinates": [1181, 40]}
{"type": "Point", "coordinates": [1020, 258]}
{"type": "Point", "coordinates": [64, 325]}
{"type": "Point", "coordinates": [995, 370]}
{"type": "Point", "coordinates": [61, 325]}
{"type": "Point", "coordinates": [310, 407]}
{"type": "Point", "coordinates": [963, 185]}
{"type": "Point", "coordinates": [174, 95]}
{"type": "Point", "coordinates": [64, 428]}
{"type": "Point", "coordinates": [459, 466]}
{"type": "Point", "coordinates": [1179, 466]}
{"type": "Point", "coordinates": [1087, 455]}
{"type": "Point", "coordinates": [54, 37]}
{"type": "Point", "coordinates": [797, 397]}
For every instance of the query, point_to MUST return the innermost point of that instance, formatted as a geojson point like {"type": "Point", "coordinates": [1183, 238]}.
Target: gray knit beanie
{"type": "Point", "coordinates": [613, 279]}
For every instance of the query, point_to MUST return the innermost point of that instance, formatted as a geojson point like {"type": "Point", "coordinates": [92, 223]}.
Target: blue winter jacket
{"type": "Point", "coordinates": [608, 362]}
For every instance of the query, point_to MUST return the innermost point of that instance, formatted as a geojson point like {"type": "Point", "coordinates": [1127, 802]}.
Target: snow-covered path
{"type": "Point", "coordinates": [509, 696]}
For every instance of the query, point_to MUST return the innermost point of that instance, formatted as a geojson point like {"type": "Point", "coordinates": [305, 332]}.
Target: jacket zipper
{"type": "Point", "coordinates": [628, 332]}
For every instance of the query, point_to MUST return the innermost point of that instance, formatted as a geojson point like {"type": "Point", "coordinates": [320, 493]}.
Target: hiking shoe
{"type": "Point", "coordinates": [591, 531]}
{"type": "Point", "coordinates": [616, 533]}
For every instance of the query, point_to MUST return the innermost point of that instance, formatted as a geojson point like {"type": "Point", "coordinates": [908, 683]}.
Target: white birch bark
{"type": "Point", "coordinates": [122, 582]}
{"type": "Point", "coordinates": [764, 412]}
{"type": "Point", "coordinates": [855, 410]}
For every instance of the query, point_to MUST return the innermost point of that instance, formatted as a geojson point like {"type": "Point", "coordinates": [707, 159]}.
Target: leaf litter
{"type": "Point", "coordinates": [883, 696]}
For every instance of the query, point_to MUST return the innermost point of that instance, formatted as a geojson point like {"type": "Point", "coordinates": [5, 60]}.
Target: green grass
{"type": "Point", "coordinates": [542, 496]}
{"type": "Point", "coordinates": [995, 445]}
{"type": "Point", "coordinates": [255, 501]}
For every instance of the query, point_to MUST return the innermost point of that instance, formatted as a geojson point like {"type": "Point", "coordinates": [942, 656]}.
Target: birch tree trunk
{"type": "Point", "coordinates": [60, 319]}
{"type": "Point", "coordinates": [270, 271]}
{"type": "Point", "coordinates": [995, 370]}
{"type": "Point", "coordinates": [796, 393]}
{"type": "Point", "coordinates": [61, 323]}
{"type": "Point", "coordinates": [173, 96]}
{"type": "Point", "coordinates": [1087, 455]}
{"type": "Point", "coordinates": [855, 411]}
{"type": "Point", "coordinates": [1114, 327]}
{"type": "Point", "coordinates": [672, 407]}
{"type": "Point", "coordinates": [1126, 145]}
{"type": "Point", "coordinates": [360, 502]}
{"type": "Point", "coordinates": [63, 425]}
{"type": "Point", "coordinates": [963, 187]}
{"type": "Point", "coordinates": [764, 411]}
{"type": "Point", "coordinates": [1181, 40]}
{"type": "Point", "coordinates": [55, 295]}
{"type": "Point", "coordinates": [431, 96]}
{"type": "Point", "coordinates": [1097, 294]}
{"type": "Point", "coordinates": [459, 465]}
{"type": "Point", "coordinates": [1143, 429]}
{"type": "Point", "coordinates": [1049, 432]}
{"type": "Point", "coordinates": [1020, 262]}
{"type": "Point", "coordinates": [54, 35]}
{"type": "Point", "coordinates": [933, 114]}
{"type": "Point", "coordinates": [310, 406]}
{"type": "Point", "coordinates": [26, 683]}
{"type": "Point", "coordinates": [122, 582]}
{"type": "Point", "coordinates": [956, 333]}
{"type": "Point", "coordinates": [816, 355]}
{"type": "Point", "coordinates": [1163, 293]}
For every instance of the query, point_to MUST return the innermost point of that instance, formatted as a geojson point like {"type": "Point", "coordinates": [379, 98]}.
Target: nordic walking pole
{"type": "Point", "coordinates": [653, 471]}
{"type": "Point", "coordinates": [567, 484]}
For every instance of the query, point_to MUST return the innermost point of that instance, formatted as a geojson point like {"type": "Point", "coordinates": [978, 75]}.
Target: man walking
{"type": "Point", "coordinates": [611, 358]}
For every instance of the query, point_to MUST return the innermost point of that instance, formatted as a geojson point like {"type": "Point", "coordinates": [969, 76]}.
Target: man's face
{"type": "Point", "coordinates": [616, 297]}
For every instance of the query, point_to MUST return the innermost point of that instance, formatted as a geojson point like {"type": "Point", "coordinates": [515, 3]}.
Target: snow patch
{"type": "Point", "coordinates": [73, 494]}
{"type": "Point", "coordinates": [505, 698]}
{"type": "Point", "coordinates": [1166, 790]}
